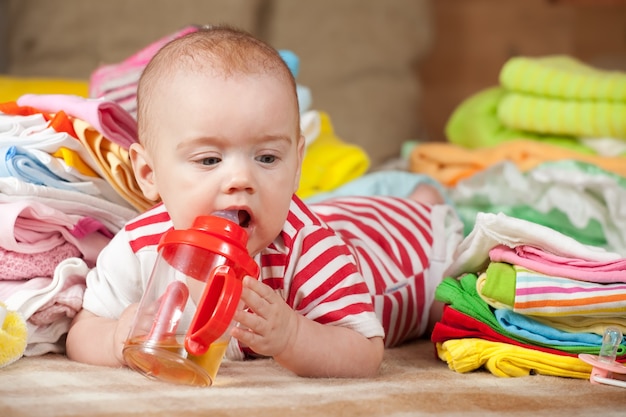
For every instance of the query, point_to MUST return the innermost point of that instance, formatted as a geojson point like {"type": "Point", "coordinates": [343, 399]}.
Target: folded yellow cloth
{"type": "Point", "coordinates": [13, 335]}
{"type": "Point", "coordinates": [560, 95]}
{"type": "Point", "coordinates": [74, 160]}
{"type": "Point", "coordinates": [11, 88]}
{"type": "Point", "coordinates": [583, 324]}
{"type": "Point", "coordinates": [330, 162]}
{"type": "Point", "coordinates": [507, 360]}
{"type": "Point", "coordinates": [449, 163]}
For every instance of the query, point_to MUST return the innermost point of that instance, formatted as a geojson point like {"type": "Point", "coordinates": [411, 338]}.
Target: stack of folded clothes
{"type": "Point", "coordinates": [554, 99]}
{"type": "Point", "coordinates": [559, 95]}
{"type": "Point", "coordinates": [524, 299]}
{"type": "Point", "coordinates": [542, 145]}
{"type": "Point", "coordinates": [66, 187]}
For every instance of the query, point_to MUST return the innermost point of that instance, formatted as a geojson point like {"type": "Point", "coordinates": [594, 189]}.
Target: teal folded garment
{"type": "Point", "coordinates": [388, 182]}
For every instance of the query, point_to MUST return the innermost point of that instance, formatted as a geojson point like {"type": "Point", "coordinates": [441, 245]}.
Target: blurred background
{"type": "Point", "coordinates": [385, 71]}
{"type": "Point", "coordinates": [474, 38]}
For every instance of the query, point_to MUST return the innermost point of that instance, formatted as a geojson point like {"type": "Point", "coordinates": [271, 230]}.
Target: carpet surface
{"type": "Point", "coordinates": [412, 382]}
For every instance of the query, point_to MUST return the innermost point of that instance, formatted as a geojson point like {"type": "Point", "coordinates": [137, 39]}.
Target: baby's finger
{"type": "Point", "coordinates": [264, 291]}
{"type": "Point", "coordinates": [258, 297]}
{"type": "Point", "coordinates": [245, 336]}
{"type": "Point", "coordinates": [250, 321]}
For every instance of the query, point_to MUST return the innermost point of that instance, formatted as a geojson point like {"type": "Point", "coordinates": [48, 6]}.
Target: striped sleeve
{"type": "Point", "coordinates": [392, 240]}
{"type": "Point", "coordinates": [349, 259]}
{"type": "Point", "coordinates": [318, 276]}
{"type": "Point", "coordinates": [146, 229]}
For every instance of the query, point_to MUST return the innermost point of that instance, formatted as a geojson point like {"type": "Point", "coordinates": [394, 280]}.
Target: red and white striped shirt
{"type": "Point", "coordinates": [357, 262]}
{"type": "Point", "coordinates": [392, 241]}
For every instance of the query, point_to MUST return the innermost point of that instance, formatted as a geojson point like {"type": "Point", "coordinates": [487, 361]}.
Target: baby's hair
{"type": "Point", "coordinates": [213, 50]}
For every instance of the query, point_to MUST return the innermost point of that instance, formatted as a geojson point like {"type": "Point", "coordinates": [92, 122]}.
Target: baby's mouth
{"type": "Point", "coordinates": [241, 217]}
{"type": "Point", "coordinates": [244, 218]}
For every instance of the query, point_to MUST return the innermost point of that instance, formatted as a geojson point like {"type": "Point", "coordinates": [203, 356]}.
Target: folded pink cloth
{"type": "Point", "coordinates": [118, 82]}
{"type": "Point", "coordinates": [538, 260]}
{"type": "Point", "coordinates": [105, 116]}
{"type": "Point", "coordinates": [66, 303]}
{"type": "Point", "coordinates": [22, 266]}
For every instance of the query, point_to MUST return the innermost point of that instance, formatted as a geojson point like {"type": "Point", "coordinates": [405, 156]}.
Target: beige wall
{"type": "Point", "coordinates": [356, 55]}
{"type": "Point", "coordinates": [474, 38]}
{"type": "Point", "coordinates": [355, 58]}
{"type": "Point", "coordinates": [4, 30]}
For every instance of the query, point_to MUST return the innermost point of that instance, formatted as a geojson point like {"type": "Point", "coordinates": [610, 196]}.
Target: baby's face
{"type": "Point", "coordinates": [227, 144]}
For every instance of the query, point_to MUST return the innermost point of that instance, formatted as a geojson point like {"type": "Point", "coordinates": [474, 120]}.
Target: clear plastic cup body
{"type": "Point", "coordinates": [181, 329]}
{"type": "Point", "coordinates": [155, 346]}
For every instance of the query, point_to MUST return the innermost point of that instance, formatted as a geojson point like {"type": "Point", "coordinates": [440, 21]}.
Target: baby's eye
{"type": "Point", "coordinates": [210, 160]}
{"type": "Point", "coordinates": [266, 159]}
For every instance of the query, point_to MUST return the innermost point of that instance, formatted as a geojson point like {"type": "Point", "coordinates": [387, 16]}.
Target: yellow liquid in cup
{"type": "Point", "coordinates": [168, 361]}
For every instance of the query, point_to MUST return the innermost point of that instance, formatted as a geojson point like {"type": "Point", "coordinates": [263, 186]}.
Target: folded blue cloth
{"type": "Point", "coordinates": [527, 328]}
{"type": "Point", "coordinates": [20, 163]}
{"type": "Point", "coordinates": [388, 183]}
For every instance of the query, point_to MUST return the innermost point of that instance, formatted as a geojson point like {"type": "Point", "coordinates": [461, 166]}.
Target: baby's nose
{"type": "Point", "coordinates": [241, 178]}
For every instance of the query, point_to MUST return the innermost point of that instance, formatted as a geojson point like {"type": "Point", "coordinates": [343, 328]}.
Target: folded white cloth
{"type": "Point", "coordinates": [112, 215]}
{"type": "Point", "coordinates": [70, 272]}
{"type": "Point", "coordinates": [490, 230]}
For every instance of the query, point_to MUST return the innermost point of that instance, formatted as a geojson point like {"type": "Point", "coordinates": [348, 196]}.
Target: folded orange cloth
{"type": "Point", "coordinates": [114, 163]}
{"type": "Point", "coordinates": [449, 163]}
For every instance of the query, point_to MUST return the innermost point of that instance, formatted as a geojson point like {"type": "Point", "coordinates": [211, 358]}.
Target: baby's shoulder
{"type": "Point", "coordinates": [145, 230]}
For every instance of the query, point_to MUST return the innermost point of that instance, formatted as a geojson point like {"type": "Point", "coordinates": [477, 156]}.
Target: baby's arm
{"type": "Point", "coordinates": [302, 345]}
{"type": "Point", "coordinates": [114, 288]}
{"type": "Point", "coordinates": [99, 340]}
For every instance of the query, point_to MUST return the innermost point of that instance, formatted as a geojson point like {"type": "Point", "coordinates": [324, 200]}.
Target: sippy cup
{"type": "Point", "coordinates": [181, 329]}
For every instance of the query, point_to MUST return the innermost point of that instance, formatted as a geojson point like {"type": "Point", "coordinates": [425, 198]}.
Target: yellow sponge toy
{"type": "Point", "coordinates": [13, 335]}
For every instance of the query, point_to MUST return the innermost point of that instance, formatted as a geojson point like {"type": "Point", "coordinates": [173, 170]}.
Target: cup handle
{"type": "Point", "coordinates": [215, 310]}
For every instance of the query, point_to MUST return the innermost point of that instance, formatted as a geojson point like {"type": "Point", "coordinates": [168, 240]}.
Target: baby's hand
{"type": "Point", "coordinates": [124, 323]}
{"type": "Point", "coordinates": [270, 326]}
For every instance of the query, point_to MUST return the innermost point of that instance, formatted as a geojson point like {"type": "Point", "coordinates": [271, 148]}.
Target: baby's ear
{"type": "Point", "coordinates": [300, 152]}
{"type": "Point", "coordinates": [144, 173]}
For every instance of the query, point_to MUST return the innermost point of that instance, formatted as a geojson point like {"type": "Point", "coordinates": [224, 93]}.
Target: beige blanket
{"type": "Point", "coordinates": [412, 382]}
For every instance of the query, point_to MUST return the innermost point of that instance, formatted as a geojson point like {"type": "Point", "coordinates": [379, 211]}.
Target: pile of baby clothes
{"type": "Point", "coordinates": [540, 146]}
{"type": "Point", "coordinates": [554, 99]}
{"type": "Point", "coordinates": [524, 299]}
{"type": "Point", "coordinates": [66, 187]}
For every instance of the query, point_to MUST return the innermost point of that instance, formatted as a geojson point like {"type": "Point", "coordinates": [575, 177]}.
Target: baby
{"type": "Point", "coordinates": [219, 129]}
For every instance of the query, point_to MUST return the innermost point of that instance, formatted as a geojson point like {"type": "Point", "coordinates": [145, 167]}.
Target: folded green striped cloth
{"type": "Point", "coordinates": [560, 95]}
